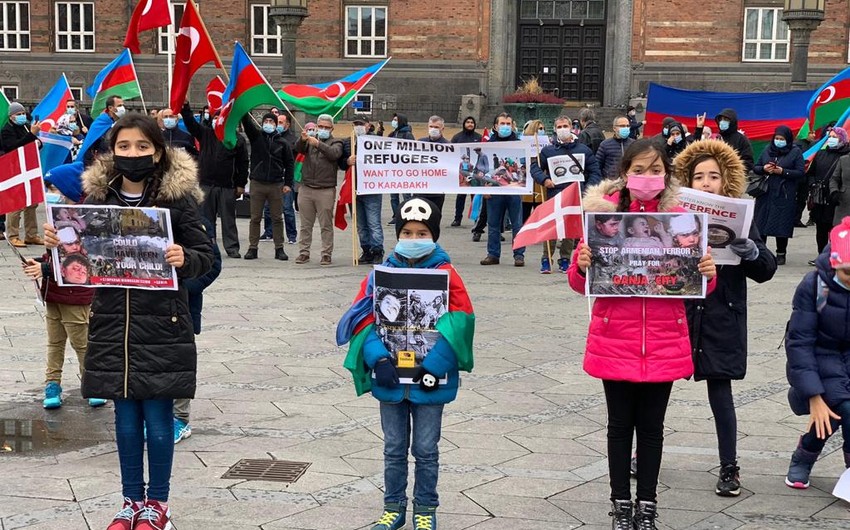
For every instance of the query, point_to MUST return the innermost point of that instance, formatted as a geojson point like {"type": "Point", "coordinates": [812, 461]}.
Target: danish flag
{"type": "Point", "coordinates": [21, 184]}
{"type": "Point", "coordinates": [558, 218]}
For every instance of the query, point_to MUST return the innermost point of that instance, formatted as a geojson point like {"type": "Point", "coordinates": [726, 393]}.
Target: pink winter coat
{"type": "Point", "coordinates": [642, 340]}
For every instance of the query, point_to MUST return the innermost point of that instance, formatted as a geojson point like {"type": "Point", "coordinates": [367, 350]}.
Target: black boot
{"type": "Point", "coordinates": [621, 515]}
{"type": "Point", "coordinates": [377, 256]}
{"type": "Point", "coordinates": [366, 257]}
{"type": "Point", "coordinates": [780, 258]}
{"type": "Point", "coordinates": [645, 514]}
{"type": "Point", "coordinates": [251, 254]}
{"type": "Point", "coordinates": [280, 254]}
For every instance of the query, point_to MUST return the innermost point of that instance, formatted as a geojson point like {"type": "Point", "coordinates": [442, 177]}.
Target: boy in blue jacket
{"type": "Point", "coordinates": [818, 349]}
{"type": "Point", "coordinates": [374, 368]}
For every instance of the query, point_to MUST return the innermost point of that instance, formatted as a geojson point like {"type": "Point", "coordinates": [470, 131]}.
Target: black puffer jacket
{"type": "Point", "coordinates": [217, 165]}
{"type": "Point", "coordinates": [271, 157]}
{"type": "Point", "coordinates": [738, 141]}
{"type": "Point", "coordinates": [142, 343]}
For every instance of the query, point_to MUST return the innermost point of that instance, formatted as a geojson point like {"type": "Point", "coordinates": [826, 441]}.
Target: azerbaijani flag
{"type": "Point", "coordinates": [830, 101]}
{"type": "Point", "coordinates": [117, 78]}
{"type": "Point", "coordinates": [758, 113]}
{"type": "Point", "coordinates": [52, 107]}
{"type": "Point", "coordinates": [457, 326]}
{"type": "Point", "coordinates": [4, 108]}
{"type": "Point", "coordinates": [248, 88]}
{"type": "Point", "coordinates": [299, 166]}
{"type": "Point", "coordinates": [329, 98]}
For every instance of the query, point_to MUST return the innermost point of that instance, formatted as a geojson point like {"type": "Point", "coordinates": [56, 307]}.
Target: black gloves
{"type": "Point", "coordinates": [385, 373]}
{"type": "Point", "coordinates": [427, 381]}
{"type": "Point", "coordinates": [835, 198]}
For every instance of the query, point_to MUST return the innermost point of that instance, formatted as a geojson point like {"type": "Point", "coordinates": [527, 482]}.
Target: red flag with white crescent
{"type": "Point", "coordinates": [215, 90]}
{"type": "Point", "coordinates": [149, 14]}
{"type": "Point", "coordinates": [193, 50]}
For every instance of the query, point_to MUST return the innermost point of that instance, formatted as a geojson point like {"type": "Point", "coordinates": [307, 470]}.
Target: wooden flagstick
{"type": "Point", "coordinates": [354, 234]}
{"type": "Point", "coordinates": [172, 43]}
{"type": "Point", "coordinates": [548, 242]}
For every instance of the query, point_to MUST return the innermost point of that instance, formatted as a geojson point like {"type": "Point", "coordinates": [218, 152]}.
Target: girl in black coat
{"type": "Point", "coordinates": [141, 351]}
{"type": "Point", "coordinates": [718, 324]}
{"type": "Point", "coordinates": [823, 165]}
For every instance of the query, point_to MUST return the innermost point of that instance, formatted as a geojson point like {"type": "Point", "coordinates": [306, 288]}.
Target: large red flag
{"type": "Point", "coordinates": [558, 218]}
{"type": "Point", "coordinates": [215, 90]}
{"type": "Point", "coordinates": [344, 199]}
{"type": "Point", "coordinates": [194, 49]}
{"type": "Point", "coordinates": [21, 184]}
{"type": "Point", "coordinates": [149, 14]}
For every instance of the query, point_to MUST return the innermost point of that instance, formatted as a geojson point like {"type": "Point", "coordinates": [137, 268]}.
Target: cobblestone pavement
{"type": "Point", "coordinates": [523, 446]}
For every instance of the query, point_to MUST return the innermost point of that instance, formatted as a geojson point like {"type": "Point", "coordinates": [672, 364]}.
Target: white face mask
{"type": "Point", "coordinates": [434, 132]}
{"type": "Point", "coordinates": [120, 111]}
{"type": "Point", "coordinates": [564, 134]}
{"type": "Point", "coordinates": [359, 130]}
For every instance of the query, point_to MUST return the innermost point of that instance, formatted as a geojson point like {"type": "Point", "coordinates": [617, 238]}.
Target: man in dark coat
{"type": "Point", "coordinates": [611, 150]}
{"type": "Point", "coordinates": [591, 133]}
{"type": "Point", "coordinates": [174, 136]}
{"type": "Point", "coordinates": [223, 174]}
{"type": "Point", "coordinates": [17, 133]}
{"type": "Point", "coordinates": [467, 135]}
{"type": "Point", "coordinates": [727, 123]}
{"type": "Point", "coordinates": [284, 130]}
{"type": "Point", "coordinates": [436, 124]}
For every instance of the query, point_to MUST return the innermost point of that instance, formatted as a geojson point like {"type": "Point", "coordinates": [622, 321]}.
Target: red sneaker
{"type": "Point", "coordinates": [126, 518]}
{"type": "Point", "coordinates": [154, 516]}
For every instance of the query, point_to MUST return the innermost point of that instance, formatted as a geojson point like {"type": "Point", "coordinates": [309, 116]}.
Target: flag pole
{"type": "Point", "coordinates": [354, 234]}
{"type": "Point", "coordinates": [171, 44]}
{"type": "Point", "coordinates": [364, 86]}
{"type": "Point", "coordinates": [141, 95]}
{"type": "Point", "coordinates": [548, 242]}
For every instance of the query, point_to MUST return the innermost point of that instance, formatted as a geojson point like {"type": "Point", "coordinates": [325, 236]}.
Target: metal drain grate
{"type": "Point", "coordinates": [271, 470]}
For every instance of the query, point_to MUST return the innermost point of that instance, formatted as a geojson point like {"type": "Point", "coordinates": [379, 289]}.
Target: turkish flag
{"type": "Point", "coordinates": [344, 199]}
{"type": "Point", "coordinates": [215, 89]}
{"type": "Point", "coordinates": [558, 218]}
{"type": "Point", "coordinates": [149, 14]}
{"type": "Point", "coordinates": [21, 184]}
{"type": "Point", "coordinates": [194, 49]}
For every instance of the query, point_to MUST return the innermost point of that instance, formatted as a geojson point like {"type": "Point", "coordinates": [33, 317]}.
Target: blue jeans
{"type": "Point", "coordinates": [811, 442]}
{"type": "Point", "coordinates": [288, 218]}
{"type": "Point", "coordinates": [131, 417]}
{"type": "Point", "coordinates": [369, 228]}
{"type": "Point", "coordinates": [427, 422]}
{"type": "Point", "coordinates": [497, 205]}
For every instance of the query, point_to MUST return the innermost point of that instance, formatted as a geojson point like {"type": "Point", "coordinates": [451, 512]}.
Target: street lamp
{"type": "Point", "coordinates": [288, 15]}
{"type": "Point", "coordinates": [802, 17]}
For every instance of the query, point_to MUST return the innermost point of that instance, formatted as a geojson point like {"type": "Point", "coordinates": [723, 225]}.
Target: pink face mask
{"type": "Point", "coordinates": [645, 187]}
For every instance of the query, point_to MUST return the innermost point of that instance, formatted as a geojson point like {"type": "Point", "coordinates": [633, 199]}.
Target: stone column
{"type": "Point", "coordinates": [618, 54]}
{"type": "Point", "coordinates": [801, 22]}
{"type": "Point", "coordinates": [501, 62]}
{"type": "Point", "coordinates": [288, 18]}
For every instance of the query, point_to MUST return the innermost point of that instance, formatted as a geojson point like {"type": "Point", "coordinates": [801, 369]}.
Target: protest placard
{"type": "Point", "coordinates": [646, 254]}
{"type": "Point", "coordinates": [112, 246]}
{"type": "Point", "coordinates": [728, 219]}
{"type": "Point", "coordinates": [566, 168]}
{"type": "Point", "coordinates": [394, 165]}
{"type": "Point", "coordinates": [408, 303]}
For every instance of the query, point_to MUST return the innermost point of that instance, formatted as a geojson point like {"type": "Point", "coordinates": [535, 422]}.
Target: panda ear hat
{"type": "Point", "coordinates": [422, 210]}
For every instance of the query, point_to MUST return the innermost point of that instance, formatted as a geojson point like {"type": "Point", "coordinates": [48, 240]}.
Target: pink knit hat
{"type": "Point", "coordinates": [841, 133]}
{"type": "Point", "coordinates": [839, 242]}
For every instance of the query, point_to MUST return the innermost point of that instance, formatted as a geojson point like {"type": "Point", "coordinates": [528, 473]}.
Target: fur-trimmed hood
{"type": "Point", "coordinates": [732, 169]}
{"type": "Point", "coordinates": [604, 196]}
{"type": "Point", "coordinates": [180, 181]}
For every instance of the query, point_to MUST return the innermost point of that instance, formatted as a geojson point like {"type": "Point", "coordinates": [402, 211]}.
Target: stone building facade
{"type": "Point", "coordinates": [596, 52]}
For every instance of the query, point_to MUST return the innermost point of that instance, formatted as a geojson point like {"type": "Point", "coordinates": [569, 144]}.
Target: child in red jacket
{"type": "Point", "coordinates": [637, 346]}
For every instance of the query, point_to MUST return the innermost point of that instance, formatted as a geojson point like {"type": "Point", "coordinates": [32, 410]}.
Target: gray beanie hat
{"type": "Point", "coordinates": [15, 108]}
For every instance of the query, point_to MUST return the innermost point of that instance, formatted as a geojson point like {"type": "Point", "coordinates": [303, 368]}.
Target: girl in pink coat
{"type": "Point", "coordinates": [637, 346]}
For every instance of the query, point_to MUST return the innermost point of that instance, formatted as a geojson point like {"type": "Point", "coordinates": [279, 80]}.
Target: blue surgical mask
{"type": "Point", "coordinates": [311, 133]}
{"type": "Point", "coordinates": [281, 129]}
{"type": "Point", "coordinates": [724, 125]}
{"type": "Point", "coordinates": [394, 124]}
{"type": "Point", "coordinates": [323, 134]}
{"type": "Point", "coordinates": [73, 126]}
{"type": "Point", "coordinates": [268, 128]}
{"type": "Point", "coordinates": [623, 132]}
{"type": "Point", "coordinates": [70, 111]}
{"type": "Point", "coordinates": [677, 139]}
{"type": "Point", "coordinates": [505, 131]}
{"type": "Point", "coordinates": [780, 143]}
{"type": "Point", "coordinates": [832, 142]}
{"type": "Point", "coordinates": [665, 131]}
{"type": "Point", "coordinates": [415, 248]}
{"type": "Point", "coordinates": [21, 119]}
{"type": "Point", "coordinates": [169, 123]}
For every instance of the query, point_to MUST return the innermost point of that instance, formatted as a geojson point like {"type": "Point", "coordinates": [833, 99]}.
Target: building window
{"type": "Point", "coordinates": [77, 93]}
{"type": "Point", "coordinates": [168, 36]}
{"type": "Point", "coordinates": [74, 26]}
{"type": "Point", "coordinates": [15, 26]}
{"type": "Point", "coordinates": [366, 31]}
{"type": "Point", "coordinates": [10, 91]}
{"type": "Point", "coordinates": [765, 35]}
{"type": "Point", "coordinates": [265, 34]}
{"type": "Point", "coordinates": [362, 104]}
{"type": "Point", "coordinates": [562, 9]}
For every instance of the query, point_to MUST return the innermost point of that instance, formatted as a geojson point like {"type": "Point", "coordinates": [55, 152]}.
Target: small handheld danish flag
{"type": "Point", "coordinates": [21, 183]}
{"type": "Point", "coordinates": [558, 218]}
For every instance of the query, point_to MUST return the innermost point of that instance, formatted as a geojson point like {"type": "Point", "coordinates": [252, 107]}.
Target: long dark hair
{"type": "Point", "coordinates": [637, 149]}
{"type": "Point", "coordinates": [150, 130]}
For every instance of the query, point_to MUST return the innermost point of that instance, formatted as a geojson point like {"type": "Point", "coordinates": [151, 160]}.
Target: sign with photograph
{"type": "Point", "coordinates": [566, 168]}
{"type": "Point", "coordinates": [112, 246]}
{"type": "Point", "coordinates": [408, 303]}
{"type": "Point", "coordinates": [394, 165]}
{"type": "Point", "coordinates": [646, 254]}
{"type": "Point", "coordinates": [728, 219]}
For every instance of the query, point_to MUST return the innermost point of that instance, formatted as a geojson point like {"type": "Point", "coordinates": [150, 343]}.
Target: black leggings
{"type": "Point", "coordinates": [725, 421]}
{"type": "Point", "coordinates": [781, 245]}
{"type": "Point", "coordinates": [822, 235]}
{"type": "Point", "coordinates": [635, 407]}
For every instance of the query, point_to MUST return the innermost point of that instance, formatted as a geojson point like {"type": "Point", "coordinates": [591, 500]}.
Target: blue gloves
{"type": "Point", "coordinates": [427, 381]}
{"type": "Point", "coordinates": [385, 373]}
{"type": "Point", "coordinates": [744, 248]}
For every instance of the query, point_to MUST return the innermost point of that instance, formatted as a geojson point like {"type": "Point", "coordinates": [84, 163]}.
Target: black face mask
{"type": "Point", "coordinates": [135, 168]}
